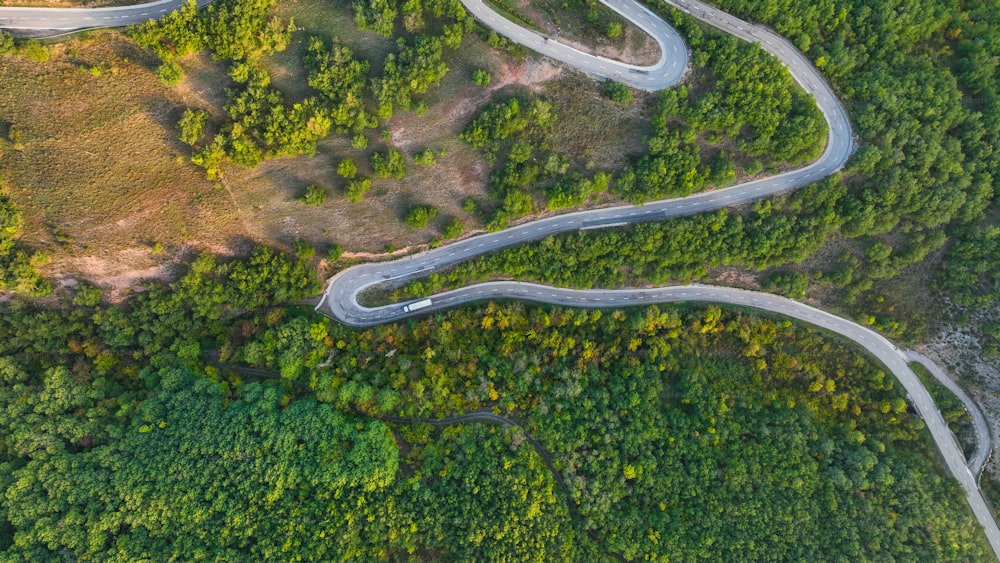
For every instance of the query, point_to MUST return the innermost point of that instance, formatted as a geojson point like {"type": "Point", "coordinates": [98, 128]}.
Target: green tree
{"type": "Point", "coordinates": [192, 125]}
{"type": "Point", "coordinates": [347, 169]}
{"type": "Point", "coordinates": [303, 249]}
{"type": "Point", "coordinates": [314, 195]}
{"type": "Point", "coordinates": [356, 189]}
{"type": "Point", "coordinates": [389, 164]}
{"type": "Point", "coordinates": [425, 157]}
{"type": "Point", "coordinates": [481, 78]}
{"type": "Point", "coordinates": [170, 73]}
{"type": "Point", "coordinates": [418, 216]}
{"type": "Point", "coordinates": [453, 229]}
{"type": "Point", "coordinates": [7, 45]}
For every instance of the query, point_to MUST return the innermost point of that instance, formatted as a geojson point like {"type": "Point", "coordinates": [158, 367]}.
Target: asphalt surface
{"type": "Point", "coordinates": [340, 298]}
{"type": "Point", "coordinates": [666, 72]}
{"type": "Point", "coordinates": [982, 429]}
{"type": "Point", "coordinates": [42, 22]}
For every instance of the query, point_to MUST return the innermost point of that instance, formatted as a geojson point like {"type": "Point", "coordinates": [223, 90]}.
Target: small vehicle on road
{"type": "Point", "coordinates": [416, 305]}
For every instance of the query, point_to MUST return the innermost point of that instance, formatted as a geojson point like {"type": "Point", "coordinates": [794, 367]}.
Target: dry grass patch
{"type": "Point", "coordinates": [108, 190]}
{"type": "Point", "coordinates": [595, 128]}
{"type": "Point", "coordinates": [99, 168]}
{"type": "Point", "coordinates": [268, 197]}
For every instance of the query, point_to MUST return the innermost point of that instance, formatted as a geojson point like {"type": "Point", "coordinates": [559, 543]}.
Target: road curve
{"type": "Point", "coordinates": [982, 429]}
{"type": "Point", "coordinates": [42, 22]}
{"type": "Point", "coordinates": [340, 300]}
{"type": "Point", "coordinates": [664, 73]}
{"type": "Point", "coordinates": [894, 359]}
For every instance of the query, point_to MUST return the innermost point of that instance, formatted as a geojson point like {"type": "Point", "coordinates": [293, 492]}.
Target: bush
{"type": "Point", "coordinates": [35, 51]}
{"type": "Point", "coordinates": [418, 217]}
{"type": "Point", "coordinates": [315, 195]}
{"type": "Point", "coordinates": [334, 252]}
{"type": "Point", "coordinates": [454, 229]}
{"type": "Point", "coordinates": [425, 157]}
{"type": "Point", "coordinates": [481, 78]}
{"type": "Point", "coordinates": [613, 30]}
{"type": "Point", "coordinates": [789, 284]}
{"type": "Point", "coordinates": [389, 164]}
{"type": "Point", "coordinates": [7, 46]}
{"type": "Point", "coordinates": [469, 205]}
{"type": "Point", "coordinates": [192, 125]}
{"type": "Point", "coordinates": [356, 189]}
{"type": "Point", "coordinates": [303, 249]}
{"type": "Point", "coordinates": [347, 169]}
{"type": "Point", "coordinates": [170, 73]}
{"type": "Point", "coordinates": [618, 92]}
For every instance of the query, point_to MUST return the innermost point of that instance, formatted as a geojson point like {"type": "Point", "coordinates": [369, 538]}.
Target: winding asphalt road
{"type": "Point", "coordinates": [50, 22]}
{"type": "Point", "coordinates": [340, 298]}
{"type": "Point", "coordinates": [978, 419]}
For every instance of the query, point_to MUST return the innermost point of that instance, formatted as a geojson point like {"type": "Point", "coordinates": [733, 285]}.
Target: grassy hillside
{"type": "Point", "coordinates": [95, 161]}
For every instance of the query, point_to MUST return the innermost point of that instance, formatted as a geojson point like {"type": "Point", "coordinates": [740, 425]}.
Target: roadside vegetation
{"type": "Point", "coordinates": [585, 24]}
{"type": "Point", "coordinates": [123, 438]}
{"type": "Point", "coordinates": [665, 426]}
{"type": "Point", "coordinates": [18, 271]}
{"type": "Point", "coordinates": [952, 409]}
{"type": "Point", "coordinates": [237, 86]}
{"type": "Point", "coordinates": [923, 94]}
{"type": "Point", "coordinates": [782, 127]}
{"type": "Point", "coordinates": [902, 198]}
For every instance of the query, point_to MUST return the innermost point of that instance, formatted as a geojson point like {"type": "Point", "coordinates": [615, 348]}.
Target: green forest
{"type": "Point", "coordinates": [203, 419]}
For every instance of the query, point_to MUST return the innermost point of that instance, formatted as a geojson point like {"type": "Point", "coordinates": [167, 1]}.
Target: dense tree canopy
{"type": "Point", "coordinates": [651, 432]}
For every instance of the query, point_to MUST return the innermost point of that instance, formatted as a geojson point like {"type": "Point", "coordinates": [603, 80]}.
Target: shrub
{"type": "Point", "coordinates": [170, 73]}
{"type": "Point", "coordinates": [303, 249]}
{"type": "Point", "coordinates": [790, 284]}
{"type": "Point", "coordinates": [192, 125]}
{"type": "Point", "coordinates": [481, 78]}
{"type": "Point", "coordinates": [356, 189]}
{"type": "Point", "coordinates": [425, 157]}
{"type": "Point", "coordinates": [315, 195]}
{"type": "Point", "coordinates": [35, 51]}
{"type": "Point", "coordinates": [347, 169]}
{"type": "Point", "coordinates": [469, 205]}
{"type": "Point", "coordinates": [618, 92]}
{"type": "Point", "coordinates": [7, 46]}
{"type": "Point", "coordinates": [418, 216]}
{"type": "Point", "coordinates": [334, 252]}
{"type": "Point", "coordinates": [389, 164]}
{"type": "Point", "coordinates": [453, 229]}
